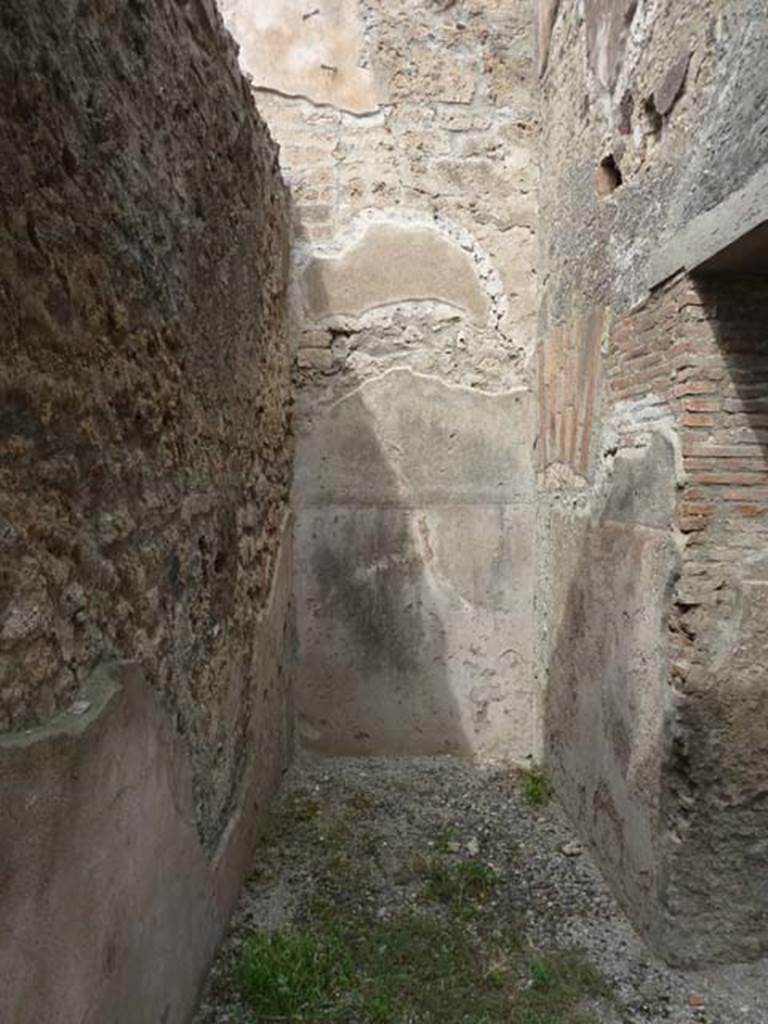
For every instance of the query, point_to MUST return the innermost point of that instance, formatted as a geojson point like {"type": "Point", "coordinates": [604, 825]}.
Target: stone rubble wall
{"type": "Point", "coordinates": [652, 469]}
{"type": "Point", "coordinates": [408, 135]}
{"type": "Point", "coordinates": [145, 456]}
{"type": "Point", "coordinates": [145, 460]}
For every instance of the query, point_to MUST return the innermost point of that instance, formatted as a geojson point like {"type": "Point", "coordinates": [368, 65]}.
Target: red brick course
{"type": "Point", "coordinates": [568, 386]}
{"type": "Point", "coordinates": [696, 355]}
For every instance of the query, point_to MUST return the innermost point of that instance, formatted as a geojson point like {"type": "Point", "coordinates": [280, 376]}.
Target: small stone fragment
{"type": "Point", "coordinates": [572, 849]}
{"type": "Point", "coordinates": [315, 359]}
{"type": "Point", "coordinates": [626, 109]}
{"type": "Point", "coordinates": [667, 94]}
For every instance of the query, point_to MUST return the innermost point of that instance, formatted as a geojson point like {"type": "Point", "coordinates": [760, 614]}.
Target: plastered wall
{"type": "Point", "coordinates": [408, 136]}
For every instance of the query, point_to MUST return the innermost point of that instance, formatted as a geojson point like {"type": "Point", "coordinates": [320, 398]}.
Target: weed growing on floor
{"type": "Point", "coordinates": [437, 964]}
{"type": "Point", "coordinates": [459, 884]}
{"type": "Point", "coordinates": [446, 840]}
{"type": "Point", "coordinates": [537, 789]}
{"type": "Point", "coordinates": [414, 968]}
{"type": "Point", "coordinates": [558, 985]}
{"type": "Point", "coordinates": [292, 974]}
{"type": "Point", "coordinates": [443, 947]}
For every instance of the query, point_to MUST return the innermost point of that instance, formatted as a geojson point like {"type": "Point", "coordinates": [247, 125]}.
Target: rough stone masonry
{"type": "Point", "coordinates": [144, 469]}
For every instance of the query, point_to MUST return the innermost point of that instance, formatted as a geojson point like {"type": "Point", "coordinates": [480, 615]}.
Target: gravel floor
{"type": "Point", "coordinates": [359, 829]}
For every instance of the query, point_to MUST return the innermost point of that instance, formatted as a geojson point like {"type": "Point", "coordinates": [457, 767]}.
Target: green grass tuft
{"type": "Point", "coordinates": [458, 884]}
{"type": "Point", "coordinates": [537, 789]}
{"type": "Point", "coordinates": [292, 974]}
{"type": "Point", "coordinates": [455, 953]}
{"type": "Point", "coordinates": [413, 968]}
{"type": "Point", "coordinates": [559, 985]}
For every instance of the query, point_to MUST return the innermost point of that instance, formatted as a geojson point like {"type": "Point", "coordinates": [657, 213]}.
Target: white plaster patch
{"type": "Point", "coordinates": [302, 48]}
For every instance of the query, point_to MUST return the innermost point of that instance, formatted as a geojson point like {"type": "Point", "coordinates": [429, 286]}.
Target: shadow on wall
{"type": "Point", "coordinates": [735, 309]}
{"type": "Point", "coordinates": [656, 704]}
{"type": "Point", "coordinates": [372, 673]}
{"type": "Point", "coordinates": [715, 795]}
{"type": "Point", "coordinates": [606, 699]}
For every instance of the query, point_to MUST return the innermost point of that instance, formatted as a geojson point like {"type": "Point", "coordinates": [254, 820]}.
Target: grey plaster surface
{"type": "Point", "coordinates": [696, 246]}
{"type": "Point", "coordinates": [414, 572]}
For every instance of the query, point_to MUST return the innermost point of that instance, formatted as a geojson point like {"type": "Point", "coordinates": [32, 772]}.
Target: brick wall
{"type": "Point", "coordinates": [697, 354]}
{"type": "Point", "coordinates": [652, 585]}
{"type": "Point", "coordinates": [655, 493]}
{"type": "Point", "coordinates": [569, 377]}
